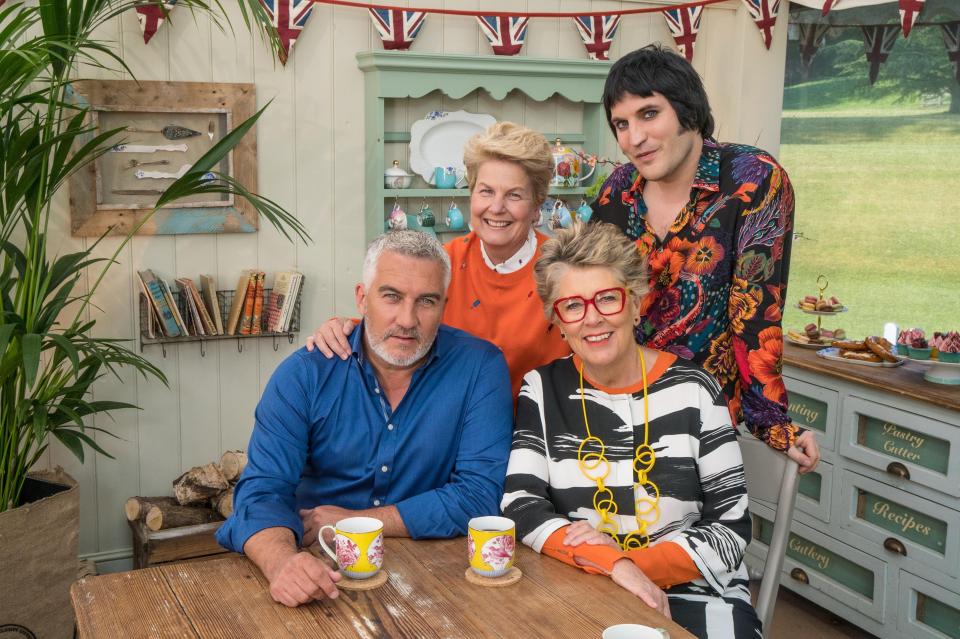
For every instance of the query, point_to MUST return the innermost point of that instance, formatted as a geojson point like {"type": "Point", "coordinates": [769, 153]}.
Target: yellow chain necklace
{"type": "Point", "coordinates": [646, 509]}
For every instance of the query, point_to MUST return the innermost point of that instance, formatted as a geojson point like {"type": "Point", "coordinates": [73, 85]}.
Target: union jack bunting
{"type": "Point", "coordinates": [878, 41]}
{"type": "Point", "coordinates": [951, 38]}
{"type": "Point", "coordinates": [289, 18]}
{"type": "Point", "coordinates": [151, 15]}
{"type": "Point", "coordinates": [909, 12]}
{"type": "Point", "coordinates": [505, 34]}
{"type": "Point", "coordinates": [684, 24]}
{"type": "Point", "coordinates": [764, 14]}
{"type": "Point", "coordinates": [827, 5]}
{"type": "Point", "coordinates": [597, 33]}
{"type": "Point", "coordinates": [811, 37]}
{"type": "Point", "coordinates": [397, 28]}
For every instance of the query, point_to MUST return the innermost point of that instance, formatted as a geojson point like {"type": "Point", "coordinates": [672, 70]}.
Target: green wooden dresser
{"type": "Point", "coordinates": [876, 534]}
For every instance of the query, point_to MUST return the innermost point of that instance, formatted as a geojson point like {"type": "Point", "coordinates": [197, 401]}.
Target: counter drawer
{"type": "Point", "coordinates": [908, 531]}
{"type": "Point", "coordinates": [910, 447]}
{"type": "Point", "coordinates": [927, 610]}
{"type": "Point", "coordinates": [815, 561]}
{"type": "Point", "coordinates": [814, 490]}
{"type": "Point", "coordinates": [814, 408]}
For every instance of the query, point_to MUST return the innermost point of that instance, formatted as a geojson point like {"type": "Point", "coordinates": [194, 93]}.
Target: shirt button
{"type": "Point", "coordinates": [389, 426]}
{"type": "Point", "coordinates": [376, 502]}
{"type": "Point", "coordinates": [376, 390]}
{"type": "Point", "coordinates": [384, 469]}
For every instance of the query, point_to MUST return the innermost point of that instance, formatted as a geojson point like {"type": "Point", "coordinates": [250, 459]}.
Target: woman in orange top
{"type": "Point", "coordinates": [492, 293]}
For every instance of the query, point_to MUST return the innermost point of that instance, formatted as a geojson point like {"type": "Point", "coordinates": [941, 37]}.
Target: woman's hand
{"type": "Point", "coordinates": [626, 575]}
{"type": "Point", "coordinates": [581, 532]}
{"type": "Point", "coordinates": [331, 338]}
{"type": "Point", "coordinates": [805, 452]}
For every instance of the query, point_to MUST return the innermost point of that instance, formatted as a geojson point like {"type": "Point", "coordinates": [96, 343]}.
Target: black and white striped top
{"type": "Point", "coordinates": [699, 471]}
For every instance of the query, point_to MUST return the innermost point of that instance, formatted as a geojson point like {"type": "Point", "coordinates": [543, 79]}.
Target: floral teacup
{"type": "Point", "coordinates": [359, 546]}
{"type": "Point", "coordinates": [491, 543]}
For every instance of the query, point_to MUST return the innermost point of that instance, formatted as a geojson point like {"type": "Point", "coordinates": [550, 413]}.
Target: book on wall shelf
{"type": "Point", "coordinates": [184, 312]}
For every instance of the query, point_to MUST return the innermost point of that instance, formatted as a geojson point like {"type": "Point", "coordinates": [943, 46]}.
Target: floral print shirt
{"type": "Point", "coordinates": [718, 278]}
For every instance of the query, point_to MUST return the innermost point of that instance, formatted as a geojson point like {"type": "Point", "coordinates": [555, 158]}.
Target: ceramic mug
{"type": "Point", "coordinates": [426, 217]}
{"type": "Point", "coordinates": [562, 215]}
{"type": "Point", "coordinates": [491, 544]}
{"type": "Point", "coordinates": [584, 212]}
{"type": "Point", "coordinates": [447, 178]}
{"type": "Point", "coordinates": [359, 546]}
{"type": "Point", "coordinates": [454, 217]}
{"type": "Point", "coordinates": [634, 631]}
{"type": "Point", "coordinates": [397, 221]}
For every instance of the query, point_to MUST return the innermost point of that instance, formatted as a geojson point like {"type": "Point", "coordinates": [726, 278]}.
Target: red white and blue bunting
{"type": "Point", "coordinates": [909, 12]}
{"type": "Point", "coordinates": [506, 34]}
{"type": "Point", "coordinates": [878, 41]}
{"type": "Point", "coordinates": [764, 14]}
{"type": "Point", "coordinates": [151, 15]}
{"type": "Point", "coordinates": [597, 33]}
{"type": "Point", "coordinates": [811, 37]}
{"type": "Point", "coordinates": [397, 28]}
{"type": "Point", "coordinates": [288, 17]}
{"type": "Point", "coordinates": [684, 24]}
{"type": "Point", "coordinates": [951, 39]}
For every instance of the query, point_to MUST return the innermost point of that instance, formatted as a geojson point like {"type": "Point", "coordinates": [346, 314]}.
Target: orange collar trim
{"type": "Point", "coordinates": [664, 361]}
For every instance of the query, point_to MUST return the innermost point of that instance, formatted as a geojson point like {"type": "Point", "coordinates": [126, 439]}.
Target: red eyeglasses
{"type": "Point", "coordinates": [609, 301]}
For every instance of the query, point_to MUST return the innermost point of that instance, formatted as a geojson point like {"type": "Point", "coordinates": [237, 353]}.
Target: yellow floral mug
{"type": "Point", "coordinates": [491, 543]}
{"type": "Point", "coordinates": [359, 546]}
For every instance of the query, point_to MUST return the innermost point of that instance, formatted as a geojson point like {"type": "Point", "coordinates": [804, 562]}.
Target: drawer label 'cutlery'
{"type": "Point", "coordinates": [902, 443]}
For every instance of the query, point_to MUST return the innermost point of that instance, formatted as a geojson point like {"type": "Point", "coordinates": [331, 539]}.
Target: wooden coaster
{"type": "Point", "coordinates": [346, 583]}
{"type": "Point", "coordinates": [509, 578]}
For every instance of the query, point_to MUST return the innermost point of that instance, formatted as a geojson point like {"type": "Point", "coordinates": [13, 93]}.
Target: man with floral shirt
{"type": "Point", "coordinates": [715, 221]}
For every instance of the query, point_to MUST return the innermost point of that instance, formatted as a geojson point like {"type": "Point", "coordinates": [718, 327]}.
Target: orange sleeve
{"type": "Point", "coordinates": [665, 564]}
{"type": "Point", "coordinates": [603, 556]}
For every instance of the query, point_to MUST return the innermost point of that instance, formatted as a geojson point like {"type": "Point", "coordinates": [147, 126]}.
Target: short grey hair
{"type": "Point", "coordinates": [409, 243]}
{"type": "Point", "coordinates": [583, 246]}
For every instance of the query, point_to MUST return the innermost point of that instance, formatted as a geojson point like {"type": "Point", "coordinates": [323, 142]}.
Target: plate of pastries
{"type": "Point", "coordinates": [821, 306]}
{"type": "Point", "coordinates": [813, 337]}
{"type": "Point", "coordinates": [871, 351]}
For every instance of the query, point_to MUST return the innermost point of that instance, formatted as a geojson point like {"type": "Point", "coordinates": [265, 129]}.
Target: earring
{"type": "Point", "coordinates": [636, 321]}
{"type": "Point", "coordinates": [563, 335]}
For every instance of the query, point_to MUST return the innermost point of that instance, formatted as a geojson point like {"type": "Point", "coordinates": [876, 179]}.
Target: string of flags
{"type": "Point", "coordinates": [506, 32]}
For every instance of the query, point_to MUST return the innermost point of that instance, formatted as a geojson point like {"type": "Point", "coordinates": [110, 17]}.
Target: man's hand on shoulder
{"type": "Point", "coordinates": [300, 578]}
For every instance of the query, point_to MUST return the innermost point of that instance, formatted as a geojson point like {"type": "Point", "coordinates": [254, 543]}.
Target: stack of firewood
{"type": "Point", "coordinates": [201, 495]}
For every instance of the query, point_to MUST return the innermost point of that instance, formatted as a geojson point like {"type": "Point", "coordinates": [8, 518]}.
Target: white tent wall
{"type": "Point", "coordinates": [311, 160]}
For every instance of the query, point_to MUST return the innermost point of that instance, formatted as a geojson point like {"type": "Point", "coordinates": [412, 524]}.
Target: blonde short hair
{"type": "Point", "coordinates": [587, 245]}
{"type": "Point", "coordinates": [514, 143]}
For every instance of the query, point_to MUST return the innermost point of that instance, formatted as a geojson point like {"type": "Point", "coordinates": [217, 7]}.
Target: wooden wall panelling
{"type": "Point", "coordinates": [460, 33]}
{"type": "Point", "coordinates": [315, 161]}
{"type": "Point", "coordinates": [238, 375]}
{"type": "Point", "coordinates": [191, 60]}
{"type": "Point", "coordinates": [760, 74]}
{"type": "Point", "coordinates": [720, 73]}
{"type": "Point", "coordinates": [352, 34]}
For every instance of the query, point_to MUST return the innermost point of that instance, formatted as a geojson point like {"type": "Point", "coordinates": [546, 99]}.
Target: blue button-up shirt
{"type": "Point", "coordinates": [325, 435]}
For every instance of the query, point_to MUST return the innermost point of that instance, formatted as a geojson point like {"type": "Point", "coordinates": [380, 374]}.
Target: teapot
{"type": "Point", "coordinates": [567, 167]}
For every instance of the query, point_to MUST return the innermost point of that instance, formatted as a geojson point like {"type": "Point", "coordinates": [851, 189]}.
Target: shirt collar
{"type": "Point", "coordinates": [519, 259]}
{"type": "Point", "coordinates": [437, 350]}
{"type": "Point", "coordinates": [707, 176]}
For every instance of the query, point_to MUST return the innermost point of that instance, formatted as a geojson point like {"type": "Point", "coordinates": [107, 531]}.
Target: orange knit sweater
{"type": "Point", "coordinates": [502, 308]}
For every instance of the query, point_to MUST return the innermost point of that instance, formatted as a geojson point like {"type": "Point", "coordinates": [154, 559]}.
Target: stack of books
{"type": "Point", "coordinates": [199, 311]}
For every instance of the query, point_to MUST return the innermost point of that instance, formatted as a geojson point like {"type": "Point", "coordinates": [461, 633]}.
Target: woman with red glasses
{"type": "Point", "coordinates": [624, 460]}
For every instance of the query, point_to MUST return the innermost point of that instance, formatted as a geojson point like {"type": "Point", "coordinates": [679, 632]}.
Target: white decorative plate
{"type": "Point", "coordinates": [438, 140]}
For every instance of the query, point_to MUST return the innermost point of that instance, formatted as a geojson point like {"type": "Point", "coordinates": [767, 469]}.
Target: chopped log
{"type": "Point", "coordinates": [224, 502]}
{"type": "Point", "coordinates": [163, 516]}
{"type": "Point", "coordinates": [199, 484]}
{"type": "Point", "coordinates": [232, 464]}
{"type": "Point", "coordinates": [136, 508]}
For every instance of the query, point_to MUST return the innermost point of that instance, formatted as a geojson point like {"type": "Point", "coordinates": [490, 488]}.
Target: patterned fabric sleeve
{"type": "Point", "coordinates": [716, 542]}
{"type": "Point", "coordinates": [526, 492]}
{"type": "Point", "coordinates": [757, 294]}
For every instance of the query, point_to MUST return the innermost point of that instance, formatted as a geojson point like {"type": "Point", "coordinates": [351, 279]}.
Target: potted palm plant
{"type": "Point", "coordinates": [48, 356]}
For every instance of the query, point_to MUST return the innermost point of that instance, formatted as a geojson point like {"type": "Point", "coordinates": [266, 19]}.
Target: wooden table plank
{"type": "Point", "coordinates": [137, 604]}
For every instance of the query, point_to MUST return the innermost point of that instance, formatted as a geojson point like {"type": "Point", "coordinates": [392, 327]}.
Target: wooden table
{"type": "Point", "coordinates": [426, 596]}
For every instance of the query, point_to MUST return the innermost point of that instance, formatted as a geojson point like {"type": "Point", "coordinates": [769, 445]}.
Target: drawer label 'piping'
{"type": "Point", "coordinates": [807, 412]}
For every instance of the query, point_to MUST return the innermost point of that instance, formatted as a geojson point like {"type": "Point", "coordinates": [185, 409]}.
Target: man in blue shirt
{"type": "Point", "coordinates": [413, 428]}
